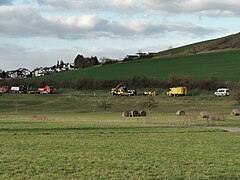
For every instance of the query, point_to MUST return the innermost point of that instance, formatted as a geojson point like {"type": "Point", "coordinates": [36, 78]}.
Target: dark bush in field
{"type": "Point", "coordinates": [149, 103]}
{"type": "Point", "coordinates": [237, 97]}
{"type": "Point", "coordinates": [176, 80]}
{"type": "Point", "coordinates": [11, 82]}
{"type": "Point", "coordinates": [105, 104]}
{"type": "Point", "coordinates": [143, 82]}
{"type": "Point", "coordinates": [209, 84]}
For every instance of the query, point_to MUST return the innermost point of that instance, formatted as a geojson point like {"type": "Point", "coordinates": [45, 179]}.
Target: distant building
{"type": "Point", "coordinates": [42, 71]}
{"type": "Point", "coordinates": [138, 56]}
{"type": "Point", "coordinates": [142, 54]}
{"type": "Point", "coordinates": [38, 72]}
{"type": "Point", "coordinates": [19, 73]}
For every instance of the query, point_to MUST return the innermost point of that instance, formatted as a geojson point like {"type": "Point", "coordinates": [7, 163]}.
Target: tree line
{"type": "Point", "coordinates": [210, 83]}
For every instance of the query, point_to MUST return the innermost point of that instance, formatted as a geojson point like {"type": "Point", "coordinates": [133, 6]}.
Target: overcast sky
{"type": "Point", "coordinates": [36, 33]}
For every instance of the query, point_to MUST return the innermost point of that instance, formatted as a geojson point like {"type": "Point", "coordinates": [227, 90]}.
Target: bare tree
{"type": "Point", "coordinates": [150, 103]}
{"type": "Point", "coordinates": [237, 97]}
{"type": "Point", "coordinates": [105, 104]}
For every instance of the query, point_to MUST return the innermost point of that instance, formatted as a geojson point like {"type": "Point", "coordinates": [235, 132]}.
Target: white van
{"type": "Point", "coordinates": [222, 92]}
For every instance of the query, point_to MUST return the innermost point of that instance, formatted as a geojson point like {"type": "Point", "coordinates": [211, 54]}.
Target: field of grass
{"type": "Point", "coordinates": [69, 136]}
{"type": "Point", "coordinates": [222, 65]}
{"type": "Point", "coordinates": [128, 153]}
{"type": "Point", "coordinates": [82, 103]}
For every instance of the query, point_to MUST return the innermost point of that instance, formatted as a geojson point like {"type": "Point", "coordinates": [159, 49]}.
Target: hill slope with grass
{"type": "Point", "coordinates": [231, 42]}
{"type": "Point", "coordinates": [222, 65]}
{"type": "Point", "coordinates": [219, 58]}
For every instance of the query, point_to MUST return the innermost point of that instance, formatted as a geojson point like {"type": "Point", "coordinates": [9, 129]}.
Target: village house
{"type": "Point", "coordinates": [64, 66]}
{"type": "Point", "coordinates": [19, 73]}
{"type": "Point", "coordinates": [42, 71]}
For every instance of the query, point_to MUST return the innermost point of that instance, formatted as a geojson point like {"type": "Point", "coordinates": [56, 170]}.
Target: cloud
{"type": "Point", "coordinates": [26, 21]}
{"type": "Point", "coordinates": [21, 22]}
{"type": "Point", "coordinates": [120, 6]}
{"type": "Point", "coordinates": [220, 8]}
{"type": "Point", "coordinates": [215, 8]}
{"type": "Point", "coordinates": [6, 2]}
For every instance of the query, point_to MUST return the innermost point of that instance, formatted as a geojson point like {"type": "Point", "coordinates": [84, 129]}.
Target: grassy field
{"type": "Point", "coordinates": [119, 153]}
{"type": "Point", "coordinates": [222, 65]}
{"type": "Point", "coordinates": [92, 102]}
{"type": "Point", "coordinates": [70, 136]}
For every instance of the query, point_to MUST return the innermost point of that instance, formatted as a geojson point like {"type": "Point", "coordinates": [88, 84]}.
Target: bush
{"type": "Point", "coordinates": [237, 97]}
{"type": "Point", "coordinates": [149, 103]}
{"type": "Point", "coordinates": [105, 104]}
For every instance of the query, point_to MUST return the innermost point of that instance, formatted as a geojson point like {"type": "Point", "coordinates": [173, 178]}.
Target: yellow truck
{"type": "Point", "coordinates": [121, 90]}
{"type": "Point", "coordinates": [177, 91]}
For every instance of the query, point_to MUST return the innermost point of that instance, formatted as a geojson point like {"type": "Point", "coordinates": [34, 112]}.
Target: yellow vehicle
{"type": "Point", "coordinates": [121, 90]}
{"type": "Point", "coordinates": [149, 93]}
{"type": "Point", "coordinates": [177, 91]}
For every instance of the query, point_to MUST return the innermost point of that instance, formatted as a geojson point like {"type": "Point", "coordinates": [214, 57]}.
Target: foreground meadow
{"type": "Point", "coordinates": [72, 137]}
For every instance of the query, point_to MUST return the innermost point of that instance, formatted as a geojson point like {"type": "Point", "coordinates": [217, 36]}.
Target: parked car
{"type": "Point", "coordinates": [222, 92]}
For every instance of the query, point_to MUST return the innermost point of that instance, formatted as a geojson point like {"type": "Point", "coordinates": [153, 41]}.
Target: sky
{"type": "Point", "coordinates": [38, 33]}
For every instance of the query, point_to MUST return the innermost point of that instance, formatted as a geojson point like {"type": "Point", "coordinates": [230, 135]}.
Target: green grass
{"type": "Point", "coordinates": [81, 104]}
{"type": "Point", "coordinates": [222, 65]}
{"type": "Point", "coordinates": [67, 136]}
{"type": "Point", "coordinates": [121, 153]}
{"type": "Point", "coordinates": [227, 43]}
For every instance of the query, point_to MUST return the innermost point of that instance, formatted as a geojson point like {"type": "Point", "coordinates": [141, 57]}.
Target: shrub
{"type": "Point", "coordinates": [149, 103]}
{"type": "Point", "coordinates": [237, 97]}
{"type": "Point", "coordinates": [105, 104]}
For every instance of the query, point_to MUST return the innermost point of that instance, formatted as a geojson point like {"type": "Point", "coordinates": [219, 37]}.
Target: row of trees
{"type": "Point", "coordinates": [135, 82]}
{"type": "Point", "coordinates": [83, 62]}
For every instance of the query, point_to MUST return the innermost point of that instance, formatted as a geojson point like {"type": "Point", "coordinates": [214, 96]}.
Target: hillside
{"type": "Point", "coordinates": [222, 65]}
{"type": "Point", "coordinates": [231, 42]}
{"type": "Point", "coordinates": [214, 58]}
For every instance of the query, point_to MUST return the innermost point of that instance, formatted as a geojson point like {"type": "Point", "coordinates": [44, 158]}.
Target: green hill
{"type": "Point", "coordinates": [222, 65]}
{"type": "Point", "coordinates": [218, 58]}
{"type": "Point", "coordinates": [231, 42]}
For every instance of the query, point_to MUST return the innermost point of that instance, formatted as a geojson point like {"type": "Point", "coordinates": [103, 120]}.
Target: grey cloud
{"type": "Point", "coordinates": [60, 4]}
{"type": "Point", "coordinates": [24, 22]}
{"type": "Point", "coordinates": [114, 6]}
{"type": "Point", "coordinates": [190, 7]}
{"type": "Point", "coordinates": [215, 8]}
{"type": "Point", "coordinates": [6, 2]}
{"type": "Point", "coordinates": [27, 22]}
